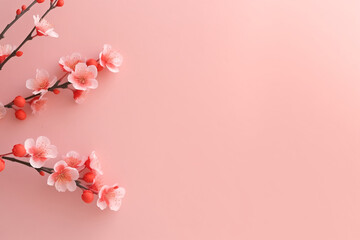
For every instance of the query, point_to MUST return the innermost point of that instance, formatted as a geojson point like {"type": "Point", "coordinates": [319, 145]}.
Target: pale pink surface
{"type": "Point", "coordinates": [228, 120]}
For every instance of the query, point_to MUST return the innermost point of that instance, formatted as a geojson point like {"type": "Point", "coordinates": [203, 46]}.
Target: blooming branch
{"type": "Point", "coordinates": [80, 75]}
{"type": "Point", "coordinates": [73, 171]}
{"type": "Point", "coordinates": [42, 27]}
{"type": "Point", "coordinates": [19, 14]}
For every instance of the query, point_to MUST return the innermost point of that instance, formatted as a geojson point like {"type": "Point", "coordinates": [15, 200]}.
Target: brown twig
{"type": "Point", "coordinates": [17, 17]}
{"type": "Point", "coordinates": [29, 36]}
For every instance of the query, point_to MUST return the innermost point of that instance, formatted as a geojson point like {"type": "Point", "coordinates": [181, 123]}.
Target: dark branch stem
{"type": "Point", "coordinates": [17, 17]}
{"type": "Point", "coordinates": [28, 37]}
{"type": "Point", "coordinates": [45, 169]}
{"type": "Point", "coordinates": [80, 186]}
{"type": "Point", "coordinates": [56, 86]}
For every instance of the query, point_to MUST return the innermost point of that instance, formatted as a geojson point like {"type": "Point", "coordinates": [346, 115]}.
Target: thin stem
{"type": "Point", "coordinates": [28, 37]}
{"type": "Point", "coordinates": [56, 86]}
{"type": "Point", "coordinates": [44, 169]}
{"type": "Point", "coordinates": [78, 183]}
{"type": "Point", "coordinates": [5, 154]}
{"type": "Point", "coordinates": [17, 17]}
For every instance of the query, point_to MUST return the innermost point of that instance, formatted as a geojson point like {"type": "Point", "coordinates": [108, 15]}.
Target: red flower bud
{"type": "Point", "coordinates": [89, 177]}
{"type": "Point", "coordinates": [19, 101]}
{"type": "Point", "coordinates": [60, 3]}
{"type": "Point", "coordinates": [91, 61]}
{"type": "Point", "coordinates": [87, 196]}
{"type": "Point", "coordinates": [19, 53]}
{"type": "Point", "coordinates": [2, 164]}
{"type": "Point", "coordinates": [19, 150]}
{"type": "Point", "coordinates": [20, 114]}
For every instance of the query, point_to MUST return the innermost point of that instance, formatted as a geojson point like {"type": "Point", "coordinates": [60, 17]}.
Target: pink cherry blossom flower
{"type": "Point", "coordinates": [2, 111]}
{"type": "Point", "coordinates": [41, 83]}
{"type": "Point", "coordinates": [74, 160]}
{"type": "Point", "coordinates": [44, 28]}
{"type": "Point", "coordinates": [93, 163]}
{"type": "Point", "coordinates": [83, 77]}
{"type": "Point", "coordinates": [80, 95]}
{"type": "Point", "coordinates": [38, 104]}
{"type": "Point", "coordinates": [110, 58]}
{"type": "Point", "coordinates": [68, 63]}
{"type": "Point", "coordinates": [5, 51]}
{"type": "Point", "coordinates": [64, 177]}
{"type": "Point", "coordinates": [110, 196]}
{"type": "Point", "coordinates": [40, 151]}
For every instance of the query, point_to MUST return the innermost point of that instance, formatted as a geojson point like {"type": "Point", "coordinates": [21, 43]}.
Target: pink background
{"type": "Point", "coordinates": [229, 120]}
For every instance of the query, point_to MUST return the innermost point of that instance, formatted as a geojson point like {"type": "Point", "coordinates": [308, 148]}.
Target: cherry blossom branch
{"type": "Point", "coordinates": [53, 5]}
{"type": "Point", "coordinates": [44, 169]}
{"type": "Point", "coordinates": [81, 77]}
{"type": "Point", "coordinates": [56, 86]}
{"type": "Point", "coordinates": [72, 172]}
{"type": "Point", "coordinates": [17, 17]}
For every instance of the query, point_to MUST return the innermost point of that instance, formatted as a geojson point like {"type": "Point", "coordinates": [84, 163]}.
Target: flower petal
{"type": "Point", "coordinates": [93, 84]}
{"type": "Point", "coordinates": [29, 143]}
{"type": "Point", "coordinates": [101, 204]}
{"type": "Point", "coordinates": [51, 180]}
{"type": "Point", "coordinates": [42, 141]}
{"type": "Point", "coordinates": [115, 204]}
{"type": "Point", "coordinates": [60, 165]}
{"type": "Point", "coordinates": [30, 84]}
{"type": "Point", "coordinates": [61, 186]}
{"type": "Point", "coordinates": [51, 151]}
{"type": "Point", "coordinates": [36, 164]}
{"type": "Point", "coordinates": [71, 186]}
{"type": "Point", "coordinates": [73, 173]}
{"type": "Point", "coordinates": [52, 33]}
{"type": "Point", "coordinates": [93, 70]}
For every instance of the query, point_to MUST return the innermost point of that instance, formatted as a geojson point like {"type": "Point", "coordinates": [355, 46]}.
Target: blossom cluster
{"type": "Point", "coordinates": [41, 28]}
{"type": "Point", "coordinates": [72, 171]}
{"type": "Point", "coordinates": [80, 77]}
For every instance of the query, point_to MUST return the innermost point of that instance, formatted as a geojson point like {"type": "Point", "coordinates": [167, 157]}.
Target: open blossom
{"type": "Point", "coordinates": [68, 63]}
{"type": "Point", "coordinates": [84, 77]}
{"type": "Point", "coordinates": [2, 111]}
{"type": "Point", "coordinates": [38, 104]}
{"type": "Point", "coordinates": [110, 58]}
{"type": "Point", "coordinates": [111, 197]}
{"type": "Point", "coordinates": [74, 160]}
{"type": "Point", "coordinates": [44, 28]}
{"type": "Point", "coordinates": [63, 177]}
{"type": "Point", "coordinates": [93, 163]}
{"type": "Point", "coordinates": [5, 51]}
{"type": "Point", "coordinates": [40, 151]}
{"type": "Point", "coordinates": [41, 83]}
